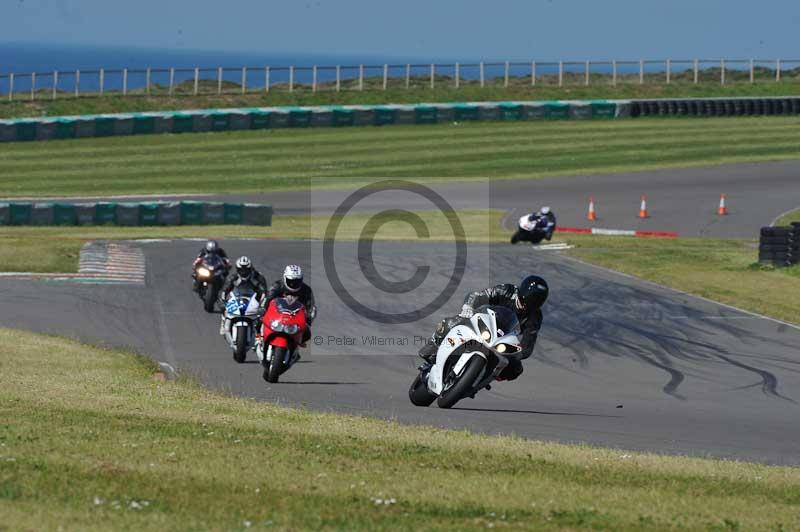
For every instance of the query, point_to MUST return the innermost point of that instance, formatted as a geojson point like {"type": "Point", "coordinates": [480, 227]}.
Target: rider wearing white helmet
{"type": "Point", "coordinates": [291, 284]}
{"type": "Point", "coordinates": [244, 273]}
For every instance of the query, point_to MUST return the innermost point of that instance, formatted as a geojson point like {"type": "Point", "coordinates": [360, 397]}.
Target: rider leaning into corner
{"type": "Point", "coordinates": [291, 284]}
{"type": "Point", "coordinates": [525, 300]}
{"type": "Point", "coordinates": [548, 219]}
{"type": "Point", "coordinates": [243, 275]}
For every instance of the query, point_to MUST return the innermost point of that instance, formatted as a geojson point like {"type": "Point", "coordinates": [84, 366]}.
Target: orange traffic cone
{"type": "Point", "coordinates": [643, 208]}
{"type": "Point", "coordinates": [723, 210]}
{"type": "Point", "coordinates": [592, 216]}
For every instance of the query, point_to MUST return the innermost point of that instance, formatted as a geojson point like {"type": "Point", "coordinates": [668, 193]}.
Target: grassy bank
{"type": "Point", "coordinates": [90, 441]}
{"type": "Point", "coordinates": [519, 89]}
{"type": "Point", "coordinates": [788, 218]}
{"type": "Point", "coordinates": [259, 161]}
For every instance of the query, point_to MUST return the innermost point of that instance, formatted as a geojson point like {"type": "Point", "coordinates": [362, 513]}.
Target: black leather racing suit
{"type": "Point", "coordinates": [305, 295]}
{"type": "Point", "coordinates": [530, 321]}
{"type": "Point", "coordinates": [202, 255]}
{"type": "Point", "coordinates": [256, 282]}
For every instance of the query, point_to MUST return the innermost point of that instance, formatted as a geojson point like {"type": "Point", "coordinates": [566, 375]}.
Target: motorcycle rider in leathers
{"type": "Point", "coordinates": [243, 275]}
{"type": "Point", "coordinates": [525, 300]}
{"type": "Point", "coordinates": [291, 284]}
{"type": "Point", "coordinates": [211, 247]}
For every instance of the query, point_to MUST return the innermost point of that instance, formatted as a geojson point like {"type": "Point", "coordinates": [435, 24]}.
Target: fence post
{"type": "Point", "coordinates": [219, 80]}
{"type": "Point", "coordinates": [586, 74]}
{"type": "Point", "coordinates": [77, 83]}
{"type": "Point", "coordinates": [614, 72]}
{"type": "Point", "coordinates": [458, 75]}
{"type": "Point", "coordinates": [33, 85]}
{"type": "Point", "coordinates": [171, 79]}
{"type": "Point", "coordinates": [385, 76]}
{"type": "Point", "coordinates": [147, 81]}
{"type": "Point", "coordinates": [408, 76]}
{"type": "Point", "coordinates": [483, 78]}
{"type": "Point", "coordinates": [777, 70]}
{"type": "Point", "coordinates": [669, 69]}
{"type": "Point", "coordinates": [196, 80]}
{"type": "Point", "coordinates": [314, 78]}
{"type": "Point", "coordinates": [505, 76]}
{"type": "Point", "coordinates": [103, 80]}
{"type": "Point", "coordinates": [533, 73]}
{"type": "Point", "coordinates": [752, 72]}
{"type": "Point", "coordinates": [696, 70]}
{"type": "Point", "coordinates": [722, 72]}
{"type": "Point", "coordinates": [291, 78]}
{"type": "Point", "coordinates": [561, 73]}
{"type": "Point", "coordinates": [433, 75]}
{"type": "Point", "coordinates": [244, 80]}
{"type": "Point", "coordinates": [641, 71]}
{"type": "Point", "coordinates": [124, 81]}
{"type": "Point", "coordinates": [361, 77]}
{"type": "Point", "coordinates": [11, 87]}
{"type": "Point", "coordinates": [338, 78]}
{"type": "Point", "coordinates": [55, 83]}
{"type": "Point", "coordinates": [266, 79]}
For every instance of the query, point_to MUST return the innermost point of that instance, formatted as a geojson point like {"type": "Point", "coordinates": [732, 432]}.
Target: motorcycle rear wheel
{"type": "Point", "coordinates": [515, 237]}
{"type": "Point", "coordinates": [419, 394]}
{"type": "Point", "coordinates": [240, 352]}
{"type": "Point", "coordinates": [273, 371]}
{"type": "Point", "coordinates": [463, 386]}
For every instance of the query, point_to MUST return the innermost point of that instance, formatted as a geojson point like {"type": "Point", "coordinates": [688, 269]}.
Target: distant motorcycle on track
{"type": "Point", "coordinates": [208, 275]}
{"type": "Point", "coordinates": [532, 228]}
{"type": "Point", "coordinates": [470, 357]}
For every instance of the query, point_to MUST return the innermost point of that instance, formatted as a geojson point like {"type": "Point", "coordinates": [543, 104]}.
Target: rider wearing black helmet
{"type": "Point", "coordinates": [525, 300]}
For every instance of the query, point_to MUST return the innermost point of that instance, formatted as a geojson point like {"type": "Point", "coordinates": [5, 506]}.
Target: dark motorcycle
{"type": "Point", "coordinates": [209, 275]}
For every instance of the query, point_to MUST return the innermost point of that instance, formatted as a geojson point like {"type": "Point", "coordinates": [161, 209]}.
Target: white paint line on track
{"type": "Point", "coordinates": [664, 287]}
{"type": "Point", "coordinates": [773, 222]}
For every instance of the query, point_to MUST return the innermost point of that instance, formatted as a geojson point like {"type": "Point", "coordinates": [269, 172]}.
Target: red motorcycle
{"type": "Point", "coordinates": [282, 330]}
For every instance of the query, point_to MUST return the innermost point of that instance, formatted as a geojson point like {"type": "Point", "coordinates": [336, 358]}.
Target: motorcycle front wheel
{"type": "Point", "coordinates": [240, 351]}
{"type": "Point", "coordinates": [210, 297]}
{"type": "Point", "coordinates": [419, 394]}
{"type": "Point", "coordinates": [273, 371]}
{"type": "Point", "coordinates": [515, 237]}
{"type": "Point", "coordinates": [463, 385]}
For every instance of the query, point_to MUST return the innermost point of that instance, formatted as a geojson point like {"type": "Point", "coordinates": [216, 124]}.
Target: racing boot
{"type": "Point", "coordinates": [222, 326]}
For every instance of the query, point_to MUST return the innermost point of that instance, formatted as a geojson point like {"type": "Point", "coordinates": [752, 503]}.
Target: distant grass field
{"type": "Point", "coordinates": [259, 161]}
{"type": "Point", "coordinates": [519, 89]}
{"type": "Point", "coordinates": [89, 440]}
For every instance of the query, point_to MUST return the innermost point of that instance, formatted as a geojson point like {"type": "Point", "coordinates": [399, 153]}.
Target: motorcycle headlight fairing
{"type": "Point", "coordinates": [203, 272]}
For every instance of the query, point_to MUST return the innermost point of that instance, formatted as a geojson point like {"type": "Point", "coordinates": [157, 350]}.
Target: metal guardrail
{"type": "Point", "coordinates": [173, 81]}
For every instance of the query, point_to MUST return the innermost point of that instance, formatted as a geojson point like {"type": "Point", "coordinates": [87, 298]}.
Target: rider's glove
{"type": "Point", "coordinates": [466, 312]}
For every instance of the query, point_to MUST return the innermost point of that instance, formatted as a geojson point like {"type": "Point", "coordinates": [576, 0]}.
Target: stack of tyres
{"type": "Point", "coordinates": [636, 109]}
{"type": "Point", "coordinates": [747, 107]}
{"type": "Point", "coordinates": [794, 244]}
{"type": "Point", "coordinates": [795, 106]}
{"type": "Point", "coordinates": [758, 106]}
{"type": "Point", "coordinates": [774, 246]}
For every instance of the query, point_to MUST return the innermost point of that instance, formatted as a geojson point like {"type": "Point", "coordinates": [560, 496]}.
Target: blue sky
{"type": "Point", "coordinates": [466, 29]}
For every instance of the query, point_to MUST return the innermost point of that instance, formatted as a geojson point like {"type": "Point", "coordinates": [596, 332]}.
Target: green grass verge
{"type": "Point", "coordinates": [519, 90]}
{"type": "Point", "coordinates": [292, 159]}
{"type": "Point", "coordinates": [787, 219]}
{"type": "Point", "coordinates": [90, 440]}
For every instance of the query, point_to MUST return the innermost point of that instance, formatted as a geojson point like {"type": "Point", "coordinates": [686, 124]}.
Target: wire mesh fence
{"type": "Point", "coordinates": [377, 77]}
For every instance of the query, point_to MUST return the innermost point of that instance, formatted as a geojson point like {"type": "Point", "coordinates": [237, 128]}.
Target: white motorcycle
{"type": "Point", "coordinates": [470, 357]}
{"type": "Point", "coordinates": [531, 228]}
{"type": "Point", "coordinates": [241, 321]}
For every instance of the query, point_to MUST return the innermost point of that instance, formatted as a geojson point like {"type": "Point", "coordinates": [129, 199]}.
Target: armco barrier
{"type": "Point", "coordinates": [135, 214]}
{"type": "Point", "coordinates": [202, 120]}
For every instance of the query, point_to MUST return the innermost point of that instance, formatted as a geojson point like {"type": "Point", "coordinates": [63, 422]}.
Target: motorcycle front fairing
{"type": "Point", "coordinates": [483, 335]}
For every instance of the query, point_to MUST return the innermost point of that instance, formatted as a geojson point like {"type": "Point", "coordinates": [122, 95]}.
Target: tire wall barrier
{"type": "Point", "coordinates": [135, 214]}
{"type": "Point", "coordinates": [205, 120]}
{"type": "Point", "coordinates": [780, 246]}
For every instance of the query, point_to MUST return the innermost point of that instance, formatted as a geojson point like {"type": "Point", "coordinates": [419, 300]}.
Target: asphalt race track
{"type": "Point", "coordinates": [620, 362]}
{"type": "Point", "coordinates": [683, 200]}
